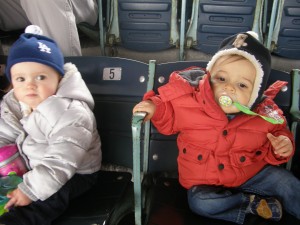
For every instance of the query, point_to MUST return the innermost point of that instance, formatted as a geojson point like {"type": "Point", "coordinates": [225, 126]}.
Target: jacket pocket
{"type": "Point", "coordinates": [246, 158]}
{"type": "Point", "coordinates": [193, 153]}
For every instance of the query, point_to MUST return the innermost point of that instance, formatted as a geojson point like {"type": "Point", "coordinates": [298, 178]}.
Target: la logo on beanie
{"type": "Point", "coordinates": [44, 48]}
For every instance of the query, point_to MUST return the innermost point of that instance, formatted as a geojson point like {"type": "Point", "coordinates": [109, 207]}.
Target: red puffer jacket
{"type": "Point", "coordinates": [214, 150]}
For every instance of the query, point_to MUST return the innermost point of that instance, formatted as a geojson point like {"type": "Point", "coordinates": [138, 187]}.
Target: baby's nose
{"type": "Point", "coordinates": [229, 87]}
{"type": "Point", "coordinates": [31, 84]}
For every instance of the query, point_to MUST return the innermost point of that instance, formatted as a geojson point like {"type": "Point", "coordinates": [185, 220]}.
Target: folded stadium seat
{"type": "Point", "coordinates": [161, 200]}
{"type": "Point", "coordinates": [294, 164]}
{"type": "Point", "coordinates": [284, 39]}
{"type": "Point", "coordinates": [144, 26]}
{"type": "Point", "coordinates": [212, 21]}
{"type": "Point", "coordinates": [96, 32]}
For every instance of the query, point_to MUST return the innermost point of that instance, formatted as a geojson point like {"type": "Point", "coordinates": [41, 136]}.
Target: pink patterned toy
{"type": "Point", "coordinates": [11, 161]}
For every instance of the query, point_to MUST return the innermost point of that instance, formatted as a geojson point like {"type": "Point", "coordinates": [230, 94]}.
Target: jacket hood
{"type": "Point", "coordinates": [73, 86]}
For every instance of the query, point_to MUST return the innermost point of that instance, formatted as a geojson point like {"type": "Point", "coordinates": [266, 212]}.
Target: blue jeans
{"type": "Point", "coordinates": [231, 203]}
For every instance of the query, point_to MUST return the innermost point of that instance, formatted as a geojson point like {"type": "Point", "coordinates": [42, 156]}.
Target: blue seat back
{"type": "Point", "coordinates": [116, 84]}
{"type": "Point", "coordinates": [220, 19]}
{"type": "Point", "coordinates": [145, 25]}
{"type": "Point", "coordinates": [288, 42]}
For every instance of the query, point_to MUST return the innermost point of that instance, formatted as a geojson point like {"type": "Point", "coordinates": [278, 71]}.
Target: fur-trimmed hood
{"type": "Point", "coordinates": [248, 46]}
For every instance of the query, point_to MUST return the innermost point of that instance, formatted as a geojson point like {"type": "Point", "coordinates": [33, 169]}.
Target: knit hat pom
{"type": "Point", "coordinates": [32, 46]}
{"type": "Point", "coordinates": [33, 29]}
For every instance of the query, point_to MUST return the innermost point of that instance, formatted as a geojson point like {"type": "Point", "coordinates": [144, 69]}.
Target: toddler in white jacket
{"type": "Point", "coordinates": [48, 114]}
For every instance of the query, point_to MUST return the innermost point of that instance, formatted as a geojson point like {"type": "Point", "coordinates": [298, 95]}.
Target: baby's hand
{"type": "Point", "coordinates": [17, 198]}
{"type": "Point", "coordinates": [282, 145]}
{"type": "Point", "coordinates": [145, 106]}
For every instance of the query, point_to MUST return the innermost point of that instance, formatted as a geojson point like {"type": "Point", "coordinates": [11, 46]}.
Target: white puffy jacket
{"type": "Point", "coordinates": [58, 139]}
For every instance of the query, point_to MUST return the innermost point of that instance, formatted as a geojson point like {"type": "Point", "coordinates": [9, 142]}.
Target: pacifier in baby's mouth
{"type": "Point", "coordinates": [225, 100]}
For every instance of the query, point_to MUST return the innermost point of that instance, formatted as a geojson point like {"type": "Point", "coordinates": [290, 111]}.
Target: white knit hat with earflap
{"type": "Point", "coordinates": [247, 45]}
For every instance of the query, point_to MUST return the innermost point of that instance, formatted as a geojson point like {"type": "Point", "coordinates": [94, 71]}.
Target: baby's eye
{"type": "Point", "coordinates": [218, 78]}
{"type": "Point", "coordinates": [243, 85]}
{"type": "Point", "coordinates": [41, 77]}
{"type": "Point", "coordinates": [20, 79]}
{"type": "Point", "coordinates": [221, 79]}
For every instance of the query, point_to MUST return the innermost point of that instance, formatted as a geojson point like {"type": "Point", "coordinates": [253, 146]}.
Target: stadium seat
{"type": "Point", "coordinates": [284, 34]}
{"type": "Point", "coordinates": [144, 26]}
{"type": "Point", "coordinates": [160, 199]}
{"type": "Point", "coordinates": [117, 85]}
{"type": "Point", "coordinates": [212, 21]}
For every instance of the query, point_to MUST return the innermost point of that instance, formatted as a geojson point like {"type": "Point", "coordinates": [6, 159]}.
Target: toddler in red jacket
{"type": "Point", "coordinates": [231, 134]}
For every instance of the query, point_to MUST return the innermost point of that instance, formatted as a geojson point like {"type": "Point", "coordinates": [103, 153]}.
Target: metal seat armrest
{"type": "Point", "coordinates": [137, 121]}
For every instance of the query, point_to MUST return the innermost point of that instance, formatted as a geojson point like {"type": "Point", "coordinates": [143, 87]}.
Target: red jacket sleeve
{"type": "Point", "coordinates": [163, 118]}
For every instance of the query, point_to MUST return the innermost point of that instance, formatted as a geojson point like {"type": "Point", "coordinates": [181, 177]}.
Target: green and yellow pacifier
{"type": "Point", "coordinates": [227, 101]}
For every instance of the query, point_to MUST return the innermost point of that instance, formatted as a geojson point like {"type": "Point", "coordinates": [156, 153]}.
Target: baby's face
{"type": "Point", "coordinates": [233, 78]}
{"type": "Point", "coordinates": [33, 82]}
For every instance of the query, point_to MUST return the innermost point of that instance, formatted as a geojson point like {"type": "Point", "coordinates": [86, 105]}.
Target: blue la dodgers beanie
{"type": "Point", "coordinates": [32, 47]}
